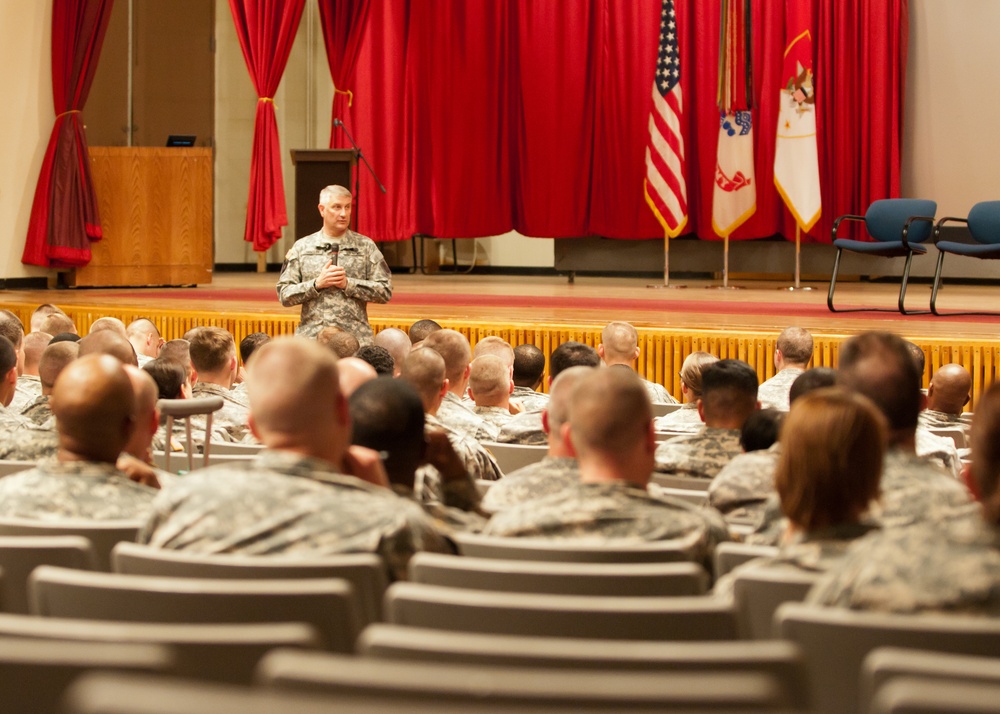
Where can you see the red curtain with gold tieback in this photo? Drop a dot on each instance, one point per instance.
(344, 23)
(64, 216)
(266, 30)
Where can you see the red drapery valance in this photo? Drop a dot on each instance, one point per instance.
(266, 30)
(64, 217)
(519, 114)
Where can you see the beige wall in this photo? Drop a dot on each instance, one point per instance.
(948, 138)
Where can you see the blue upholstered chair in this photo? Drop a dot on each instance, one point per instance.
(984, 227)
(898, 227)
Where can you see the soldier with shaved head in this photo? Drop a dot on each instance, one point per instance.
(29, 386)
(295, 497)
(949, 392)
(610, 430)
(529, 371)
(490, 387)
(9, 419)
(145, 339)
(454, 347)
(620, 346)
(93, 403)
(396, 343)
(108, 342)
(55, 358)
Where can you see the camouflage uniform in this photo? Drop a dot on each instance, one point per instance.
(657, 393)
(933, 419)
(26, 444)
(478, 462)
(9, 419)
(742, 487)
(452, 505)
(524, 428)
(285, 503)
(605, 513)
(700, 455)
(231, 418)
(460, 417)
(497, 416)
(773, 393)
(810, 553)
(530, 399)
(368, 280)
(40, 412)
(950, 567)
(29, 388)
(939, 449)
(74, 489)
(531, 482)
(685, 419)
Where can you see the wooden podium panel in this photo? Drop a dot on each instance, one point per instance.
(156, 214)
(315, 169)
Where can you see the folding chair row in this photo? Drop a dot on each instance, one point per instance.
(480, 546)
(511, 457)
(961, 674)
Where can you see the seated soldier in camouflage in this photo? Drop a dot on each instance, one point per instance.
(454, 348)
(528, 372)
(425, 370)
(526, 428)
(947, 395)
(295, 497)
(559, 468)
(743, 487)
(687, 419)
(619, 345)
(29, 384)
(93, 403)
(54, 360)
(728, 397)
(387, 415)
(947, 565)
(490, 387)
(833, 443)
(213, 356)
(9, 419)
(397, 344)
(791, 358)
(611, 431)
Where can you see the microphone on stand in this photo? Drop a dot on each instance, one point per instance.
(337, 122)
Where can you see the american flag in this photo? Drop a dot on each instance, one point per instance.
(666, 186)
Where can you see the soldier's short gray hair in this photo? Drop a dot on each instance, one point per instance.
(331, 192)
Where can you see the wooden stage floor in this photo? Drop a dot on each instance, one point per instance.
(590, 301)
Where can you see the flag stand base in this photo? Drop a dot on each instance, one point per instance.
(667, 287)
(793, 288)
(724, 287)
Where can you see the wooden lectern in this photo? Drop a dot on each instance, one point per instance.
(315, 169)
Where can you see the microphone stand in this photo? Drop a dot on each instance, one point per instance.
(357, 174)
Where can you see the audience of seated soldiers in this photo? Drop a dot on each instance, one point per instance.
(728, 397)
(559, 468)
(619, 345)
(792, 354)
(528, 373)
(687, 418)
(309, 492)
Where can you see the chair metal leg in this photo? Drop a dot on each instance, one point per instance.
(833, 282)
(902, 289)
(937, 282)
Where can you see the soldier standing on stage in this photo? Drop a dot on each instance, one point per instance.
(335, 272)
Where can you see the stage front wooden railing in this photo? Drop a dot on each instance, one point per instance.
(156, 214)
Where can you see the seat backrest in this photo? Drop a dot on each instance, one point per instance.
(783, 660)
(480, 546)
(19, 555)
(628, 618)
(728, 555)
(758, 592)
(915, 696)
(885, 664)
(183, 409)
(34, 675)
(327, 604)
(218, 652)
(613, 579)
(681, 482)
(664, 409)
(835, 641)
(10, 466)
(365, 571)
(226, 449)
(885, 219)
(530, 687)
(511, 457)
(984, 222)
(103, 535)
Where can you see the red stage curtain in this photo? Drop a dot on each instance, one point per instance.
(344, 23)
(519, 113)
(266, 30)
(64, 218)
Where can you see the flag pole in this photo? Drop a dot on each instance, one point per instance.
(725, 262)
(666, 265)
(798, 262)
